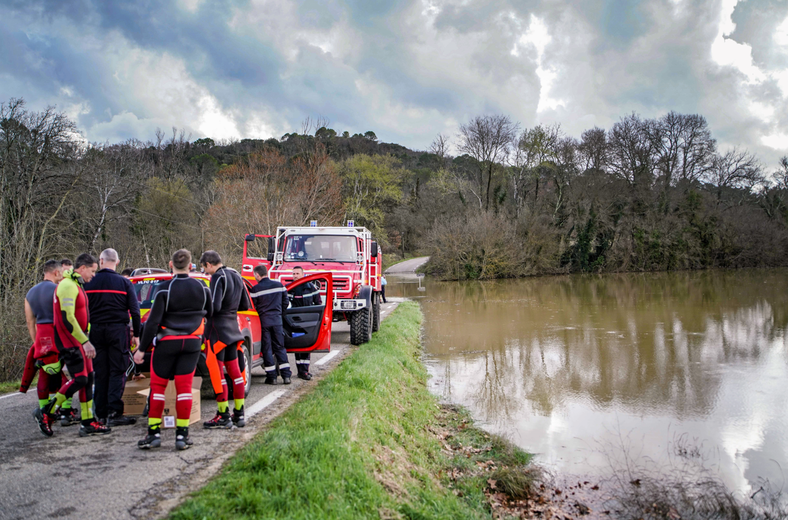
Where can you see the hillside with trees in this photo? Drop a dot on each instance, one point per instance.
(643, 195)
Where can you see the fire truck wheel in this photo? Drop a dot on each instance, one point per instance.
(360, 326)
(375, 312)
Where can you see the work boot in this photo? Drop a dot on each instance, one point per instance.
(238, 418)
(68, 416)
(152, 440)
(121, 420)
(286, 380)
(270, 380)
(182, 440)
(94, 428)
(220, 420)
(306, 376)
(44, 420)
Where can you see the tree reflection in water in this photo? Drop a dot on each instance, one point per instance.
(558, 355)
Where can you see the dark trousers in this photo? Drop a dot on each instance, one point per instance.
(383, 293)
(302, 362)
(274, 353)
(112, 360)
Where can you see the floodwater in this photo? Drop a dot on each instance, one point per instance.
(582, 369)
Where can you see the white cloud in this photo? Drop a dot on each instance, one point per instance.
(727, 52)
(214, 122)
(777, 141)
(538, 37)
(190, 5)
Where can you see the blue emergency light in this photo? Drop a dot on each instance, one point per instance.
(351, 223)
(313, 223)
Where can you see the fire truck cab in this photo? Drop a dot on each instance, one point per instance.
(349, 253)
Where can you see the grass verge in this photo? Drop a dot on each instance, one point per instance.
(7, 387)
(369, 442)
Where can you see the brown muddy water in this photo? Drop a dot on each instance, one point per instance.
(581, 368)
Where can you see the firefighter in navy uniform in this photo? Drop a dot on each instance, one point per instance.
(224, 338)
(176, 323)
(303, 296)
(112, 300)
(270, 299)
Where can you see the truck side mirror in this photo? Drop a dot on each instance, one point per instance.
(271, 249)
(373, 250)
(249, 238)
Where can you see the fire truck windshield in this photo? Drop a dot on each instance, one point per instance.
(320, 248)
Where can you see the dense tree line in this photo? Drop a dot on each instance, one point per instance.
(646, 194)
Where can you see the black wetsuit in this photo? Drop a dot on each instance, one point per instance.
(228, 294)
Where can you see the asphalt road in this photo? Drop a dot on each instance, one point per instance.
(408, 266)
(66, 476)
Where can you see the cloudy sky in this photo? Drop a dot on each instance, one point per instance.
(406, 69)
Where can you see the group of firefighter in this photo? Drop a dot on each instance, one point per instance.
(78, 317)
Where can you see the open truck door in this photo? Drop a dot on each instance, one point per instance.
(308, 328)
(258, 249)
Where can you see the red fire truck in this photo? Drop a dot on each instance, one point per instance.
(349, 253)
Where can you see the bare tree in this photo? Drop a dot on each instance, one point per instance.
(734, 169)
(488, 139)
(534, 147)
(440, 146)
(593, 149)
(630, 150)
(684, 151)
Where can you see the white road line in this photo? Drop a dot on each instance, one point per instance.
(10, 395)
(328, 357)
(266, 401)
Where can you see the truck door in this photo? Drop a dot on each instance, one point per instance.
(258, 249)
(308, 327)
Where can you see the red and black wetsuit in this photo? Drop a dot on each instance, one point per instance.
(43, 353)
(176, 323)
(71, 317)
(224, 336)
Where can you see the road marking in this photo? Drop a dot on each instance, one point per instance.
(10, 395)
(328, 357)
(266, 401)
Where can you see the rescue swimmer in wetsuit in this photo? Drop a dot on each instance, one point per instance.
(175, 323)
(43, 353)
(304, 295)
(224, 339)
(270, 300)
(71, 319)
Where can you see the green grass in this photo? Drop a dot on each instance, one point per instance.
(11, 386)
(368, 442)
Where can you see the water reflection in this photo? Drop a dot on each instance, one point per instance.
(561, 364)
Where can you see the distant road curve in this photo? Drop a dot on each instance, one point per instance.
(408, 266)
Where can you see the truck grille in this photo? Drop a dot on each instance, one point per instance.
(341, 284)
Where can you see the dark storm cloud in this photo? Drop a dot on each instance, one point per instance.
(406, 69)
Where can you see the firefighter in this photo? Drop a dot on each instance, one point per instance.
(43, 354)
(270, 299)
(111, 299)
(76, 352)
(302, 296)
(224, 339)
(176, 323)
